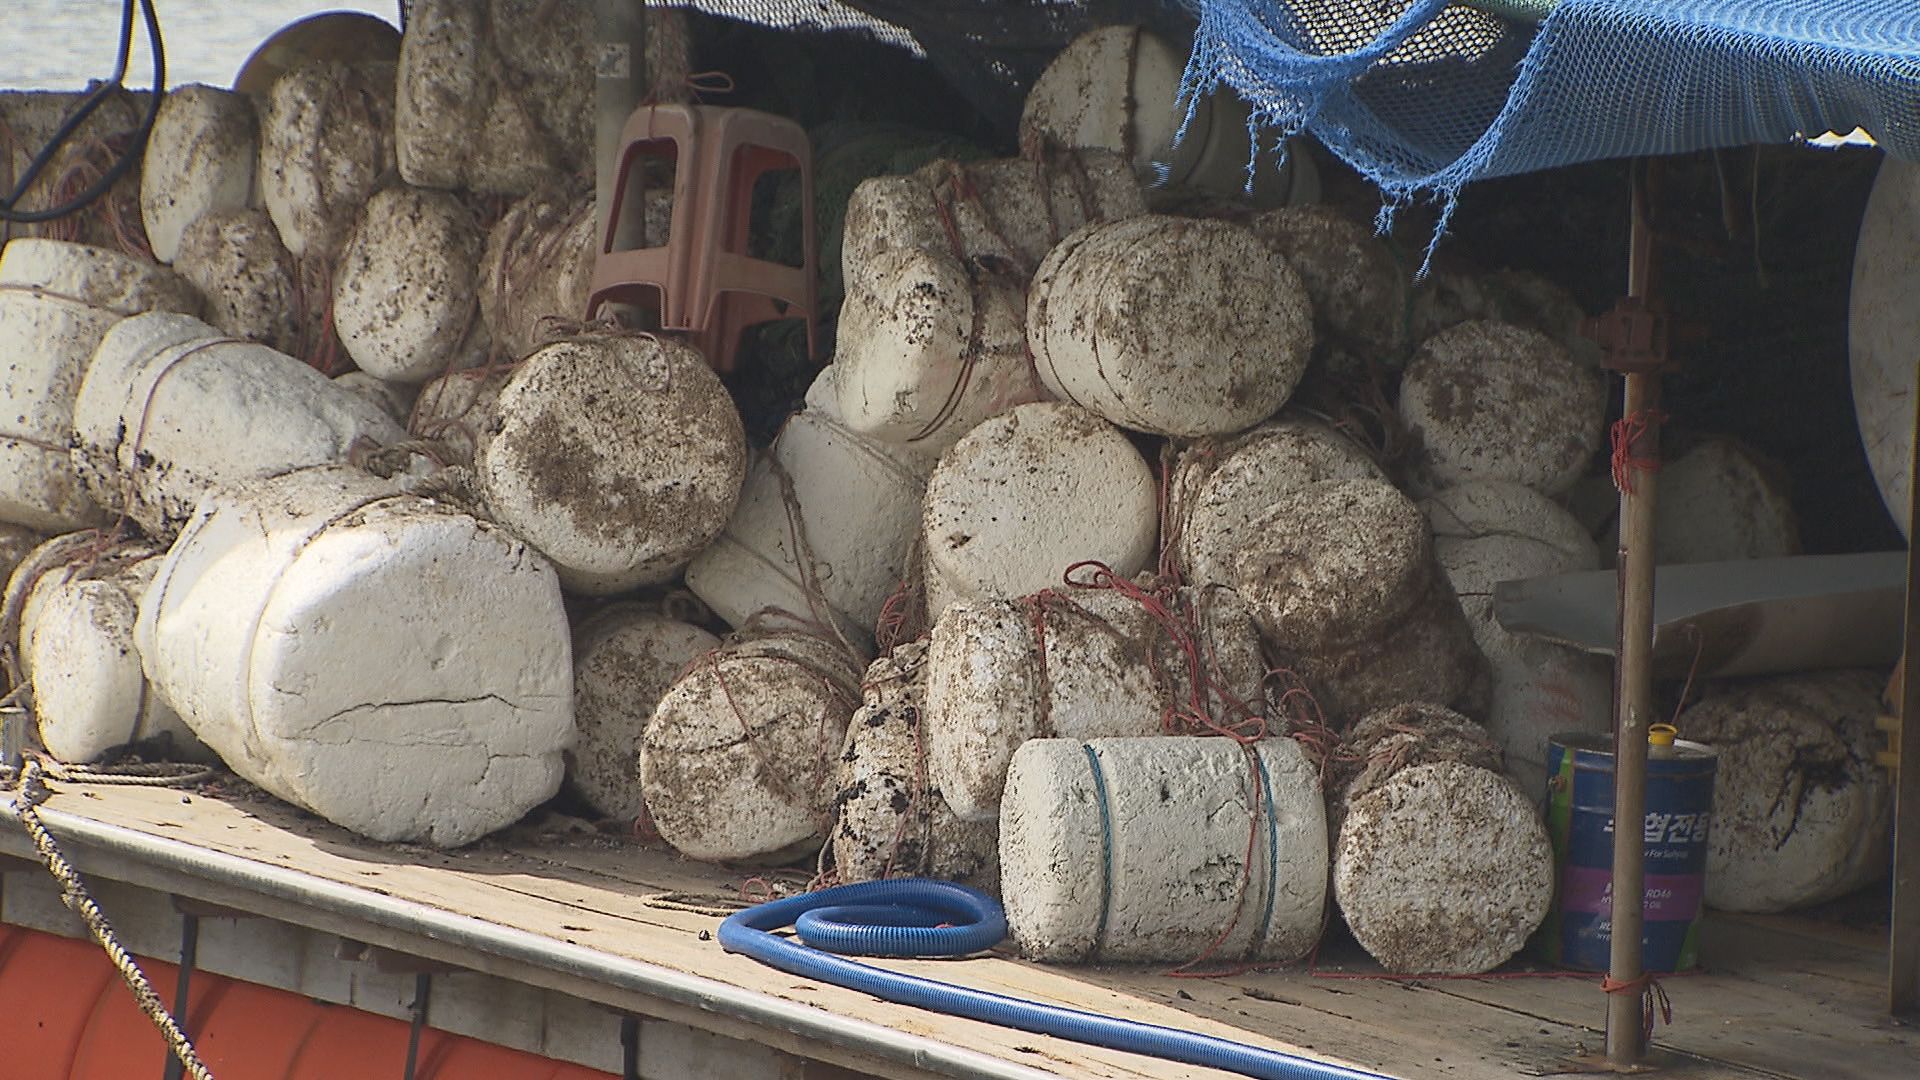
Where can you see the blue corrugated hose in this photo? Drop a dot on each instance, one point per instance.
(917, 917)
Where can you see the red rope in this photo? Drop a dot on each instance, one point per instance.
(1653, 999)
(1628, 431)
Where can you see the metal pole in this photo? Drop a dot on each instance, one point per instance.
(1633, 696)
(183, 987)
(620, 81)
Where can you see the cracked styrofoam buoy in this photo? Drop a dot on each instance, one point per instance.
(618, 456)
(1800, 809)
(1489, 531)
(1163, 849)
(326, 140)
(1440, 863)
(404, 295)
(537, 267)
(1172, 326)
(1491, 401)
(171, 409)
(57, 300)
(1026, 495)
(1427, 655)
(889, 818)
(929, 347)
(1077, 663)
(251, 285)
(624, 658)
(1221, 486)
(396, 666)
(201, 157)
(1359, 293)
(845, 506)
(738, 761)
(1720, 500)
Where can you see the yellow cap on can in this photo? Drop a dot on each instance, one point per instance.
(1662, 734)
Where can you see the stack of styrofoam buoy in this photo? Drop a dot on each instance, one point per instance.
(1028, 494)
(57, 300)
(1340, 576)
(1450, 296)
(391, 664)
(1170, 326)
(1489, 531)
(326, 141)
(889, 818)
(1440, 863)
(405, 297)
(1359, 294)
(619, 457)
(201, 158)
(495, 96)
(251, 285)
(737, 763)
(1080, 663)
(170, 409)
(824, 528)
(76, 597)
(1719, 501)
(1800, 809)
(538, 265)
(1163, 849)
(625, 656)
(1491, 401)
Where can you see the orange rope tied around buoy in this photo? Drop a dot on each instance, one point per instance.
(1627, 434)
(1654, 1002)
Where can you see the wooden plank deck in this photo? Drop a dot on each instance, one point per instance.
(1778, 998)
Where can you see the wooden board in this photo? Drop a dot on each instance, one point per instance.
(1781, 1004)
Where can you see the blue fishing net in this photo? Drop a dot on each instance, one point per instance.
(1424, 96)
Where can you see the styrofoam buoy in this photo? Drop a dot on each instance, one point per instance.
(404, 296)
(394, 399)
(1800, 809)
(738, 761)
(457, 410)
(495, 97)
(201, 156)
(889, 819)
(1448, 298)
(624, 658)
(538, 266)
(1358, 292)
(1163, 850)
(236, 260)
(1441, 865)
(824, 528)
(1170, 325)
(326, 139)
(170, 409)
(1489, 531)
(1026, 495)
(1720, 500)
(76, 648)
(1491, 401)
(929, 347)
(393, 665)
(619, 457)
(1221, 486)
(1078, 663)
(57, 300)
(1428, 654)
(1882, 329)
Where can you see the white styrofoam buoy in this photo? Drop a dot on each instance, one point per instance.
(201, 156)
(398, 667)
(1358, 292)
(929, 347)
(537, 266)
(625, 656)
(1172, 326)
(394, 399)
(1026, 495)
(57, 300)
(1491, 401)
(1427, 654)
(1800, 809)
(252, 288)
(326, 139)
(1163, 849)
(170, 409)
(1883, 328)
(457, 410)
(618, 457)
(404, 296)
(889, 819)
(495, 96)
(738, 761)
(1720, 501)
(1448, 298)
(1221, 486)
(824, 528)
(1074, 663)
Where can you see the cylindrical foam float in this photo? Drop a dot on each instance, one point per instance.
(1720, 500)
(1163, 849)
(457, 410)
(619, 457)
(538, 266)
(738, 761)
(201, 156)
(1028, 494)
(394, 399)
(393, 665)
(170, 409)
(1491, 401)
(1427, 655)
(57, 300)
(1170, 325)
(624, 659)
(1359, 293)
(326, 139)
(404, 297)
(252, 288)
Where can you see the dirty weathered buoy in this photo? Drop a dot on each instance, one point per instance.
(624, 659)
(251, 285)
(537, 268)
(201, 157)
(326, 140)
(1359, 293)
(404, 296)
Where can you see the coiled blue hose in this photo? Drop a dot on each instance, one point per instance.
(918, 917)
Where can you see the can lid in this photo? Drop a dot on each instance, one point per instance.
(1661, 734)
